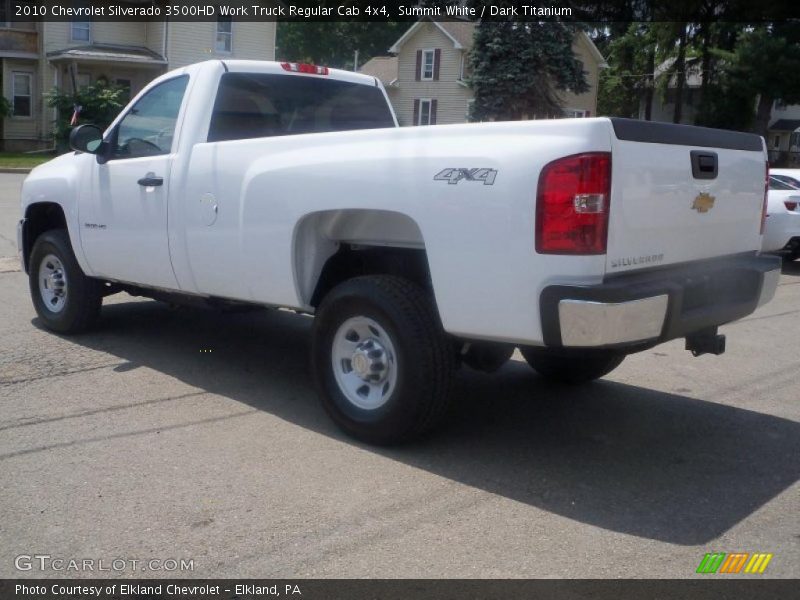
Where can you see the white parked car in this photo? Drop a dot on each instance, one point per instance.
(782, 228)
(417, 248)
(790, 176)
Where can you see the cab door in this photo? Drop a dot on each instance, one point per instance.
(124, 215)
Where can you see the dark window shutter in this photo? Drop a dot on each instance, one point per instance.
(437, 59)
(416, 112)
(418, 73)
(434, 102)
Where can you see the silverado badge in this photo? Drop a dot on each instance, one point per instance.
(703, 203)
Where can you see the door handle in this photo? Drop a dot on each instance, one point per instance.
(150, 180)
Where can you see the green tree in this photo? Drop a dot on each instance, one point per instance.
(100, 104)
(5, 107)
(629, 78)
(765, 65)
(519, 69)
(334, 43)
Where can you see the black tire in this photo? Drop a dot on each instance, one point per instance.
(424, 358)
(572, 367)
(83, 295)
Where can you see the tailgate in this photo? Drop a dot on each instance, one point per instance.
(681, 194)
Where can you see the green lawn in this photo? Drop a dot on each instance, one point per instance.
(20, 160)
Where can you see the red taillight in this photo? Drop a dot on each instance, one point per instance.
(790, 205)
(572, 205)
(764, 205)
(305, 68)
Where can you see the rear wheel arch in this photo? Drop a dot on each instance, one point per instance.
(333, 246)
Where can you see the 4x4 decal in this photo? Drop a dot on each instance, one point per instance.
(453, 176)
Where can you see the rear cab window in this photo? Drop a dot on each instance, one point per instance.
(253, 105)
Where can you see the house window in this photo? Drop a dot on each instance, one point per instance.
(81, 31)
(777, 142)
(224, 41)
(425, 111)
(465, 71)
(575, 113)
(22, 84)
(427, 67)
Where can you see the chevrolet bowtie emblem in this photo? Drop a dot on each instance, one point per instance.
(703, 203)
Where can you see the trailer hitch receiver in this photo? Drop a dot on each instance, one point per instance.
(707, 341)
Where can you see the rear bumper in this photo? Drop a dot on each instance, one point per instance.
(643, 309)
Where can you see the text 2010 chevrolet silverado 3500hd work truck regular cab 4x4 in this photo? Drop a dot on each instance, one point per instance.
(578, 240)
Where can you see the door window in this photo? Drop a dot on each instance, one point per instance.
(149, 127)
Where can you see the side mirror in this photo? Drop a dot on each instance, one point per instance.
(86, 138)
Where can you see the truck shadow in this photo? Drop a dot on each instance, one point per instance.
(628, 459)
(791, 268)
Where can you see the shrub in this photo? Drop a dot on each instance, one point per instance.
(100, 103)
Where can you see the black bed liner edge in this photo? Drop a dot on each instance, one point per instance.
(652, 132)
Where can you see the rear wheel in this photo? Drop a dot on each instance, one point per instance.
(382, 362)
(572, 367)
(66, 300)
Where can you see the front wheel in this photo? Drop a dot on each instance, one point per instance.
(66, 300)
(573, 366)
(382, 362)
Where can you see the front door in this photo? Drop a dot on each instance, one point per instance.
(124, 216)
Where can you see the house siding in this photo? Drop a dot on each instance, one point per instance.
(193, 42)
(452, 96)
(588, 100)
(154, 36)
(59, 34)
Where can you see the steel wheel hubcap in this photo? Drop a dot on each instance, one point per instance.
(53, 283)
(364, 362)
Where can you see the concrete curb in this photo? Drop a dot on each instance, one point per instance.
(19, 170)
(9, 264)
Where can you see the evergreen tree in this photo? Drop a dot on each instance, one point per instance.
(519, 69)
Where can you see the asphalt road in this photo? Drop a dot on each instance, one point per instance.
(197, 435)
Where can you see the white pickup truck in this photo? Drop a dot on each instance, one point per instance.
(417, 249)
